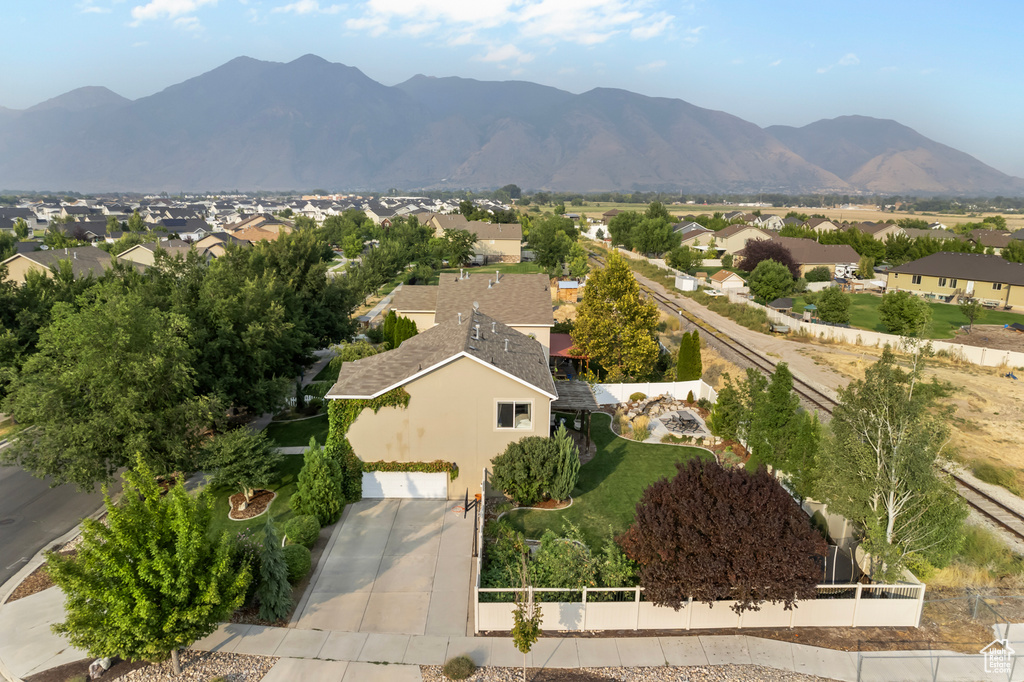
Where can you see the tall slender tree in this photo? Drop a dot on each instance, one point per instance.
(274, 592)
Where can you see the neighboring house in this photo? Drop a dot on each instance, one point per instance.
(768, 221)
(442, 222)
(609, 214)
(215, 244)
(937, 226)
(921, 233)
(687, 227)
(988, 278)
(733, 215)
(733, 238)
(145, 254)
(809, 254)
(474, 386)
(822, 225)
(521, 301)
(997, 240)
(724, 280)
(1019, 235)
(188, 229)
(697, 237)
(497, 242)
(879, 231)
(84, 260)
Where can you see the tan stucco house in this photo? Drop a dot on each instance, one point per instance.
(84, 261)
(733, 238)
(521, 301)
(809, 254)
(475, 385)
(145, 254)
(990, 279)
(726, 280)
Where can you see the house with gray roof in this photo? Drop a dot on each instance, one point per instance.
(474, 384)
(949, 276)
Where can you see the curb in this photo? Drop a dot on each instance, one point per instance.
(7, 589)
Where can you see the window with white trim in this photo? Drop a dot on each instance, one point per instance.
(915, 279)
(952, 283)
(942, 281)
(515, 415)
(997, 286)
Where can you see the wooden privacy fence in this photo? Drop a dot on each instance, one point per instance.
(836, 606)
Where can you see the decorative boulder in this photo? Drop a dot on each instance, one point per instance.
(98, 667)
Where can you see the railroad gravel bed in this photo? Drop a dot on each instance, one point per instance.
(718, 673)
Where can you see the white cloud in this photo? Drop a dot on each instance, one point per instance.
(86, 7)
(692, 35)
(848, 59)
(180, 11)
(308, 7)
(776, 62)
(585, 22)
(653, 66)
(505, 53)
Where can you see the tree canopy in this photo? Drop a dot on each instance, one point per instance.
(770, 280)
(615, 324)
(758, 250)
(711, 533)
(904, 313)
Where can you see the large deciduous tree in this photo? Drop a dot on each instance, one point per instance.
(757, 250)
(834, 306)
(552, 239)
(770, 280)
(150, 581)
(111, 379)
(242, 458)
(880, 469)
(615, 324)
(712, 534)
(904, 313)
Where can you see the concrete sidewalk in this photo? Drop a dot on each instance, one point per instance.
(403, 652)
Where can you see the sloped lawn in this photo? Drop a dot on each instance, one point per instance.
(280, 509)
(609, 485)
(298, 433)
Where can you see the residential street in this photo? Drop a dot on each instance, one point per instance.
(32, 515)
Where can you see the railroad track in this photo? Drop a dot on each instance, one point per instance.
(989, 507)
(806, 391)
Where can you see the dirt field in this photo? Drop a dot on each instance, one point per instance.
(992, 336)
(989, 421)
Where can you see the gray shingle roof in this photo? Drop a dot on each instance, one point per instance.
(516, 299)
(415, 298)
(525, 358)
(485, 231)
(968, 266)
(810, 252)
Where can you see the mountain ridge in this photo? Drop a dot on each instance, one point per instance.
(254, 124)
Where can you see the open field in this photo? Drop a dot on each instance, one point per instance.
(946, 318)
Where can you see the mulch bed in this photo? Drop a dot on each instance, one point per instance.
(37, 581)
(259, 503)
(62, 673)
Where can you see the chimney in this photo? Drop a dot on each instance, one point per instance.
(477, 335)
(506, 345)
(460, 318)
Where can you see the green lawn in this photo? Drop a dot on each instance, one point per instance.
(328, 373)
(609, 485)
(298, 433)
(504, 268)
(946, 318)
(280, 508)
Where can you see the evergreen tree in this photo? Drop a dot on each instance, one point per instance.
(773, 427)
(274, 593)
(318, 490)
(724, 420)
(683, 358)
(387, 327)
(150, 581)
(696, 364)
(567, 469)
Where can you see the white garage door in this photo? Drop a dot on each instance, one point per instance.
(405, 484)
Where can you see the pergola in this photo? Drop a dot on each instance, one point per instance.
(576, 397)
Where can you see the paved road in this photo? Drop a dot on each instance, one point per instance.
(32, 515)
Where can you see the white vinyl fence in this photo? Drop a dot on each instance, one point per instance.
(612, 394)
(987, 357)
(836, 606)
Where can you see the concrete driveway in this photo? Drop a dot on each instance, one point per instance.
(394, 567)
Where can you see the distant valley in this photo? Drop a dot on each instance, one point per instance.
(256, 125)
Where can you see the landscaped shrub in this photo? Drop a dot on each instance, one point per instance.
(318, 491)
(298, 560)
(727, 261)
(246, 552)
(641, 428)
(636, 396)
(459, 668)
(273, 594)
(563, 562)
(689, 397)
(526, 470)
(819, 274)
(302, 530)
(567, 470)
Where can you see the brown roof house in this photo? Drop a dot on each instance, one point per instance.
(991, 279)
(733, 238)
(146, 253)
(83, 260)
(809, 254)
(997, 240)
(474, 385)
(497, 242)
(724, 280)
(521, 301)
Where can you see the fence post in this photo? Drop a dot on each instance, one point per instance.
(584, 608)
(689, 612)
(920, 604)
(476, 610)
(856, 604)
(636, 607)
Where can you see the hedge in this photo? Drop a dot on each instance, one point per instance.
(435, 467)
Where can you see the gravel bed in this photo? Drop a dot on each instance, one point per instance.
(202, 666)
(717, 673)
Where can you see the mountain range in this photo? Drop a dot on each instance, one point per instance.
(254, 125)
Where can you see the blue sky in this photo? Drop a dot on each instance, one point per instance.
(952, 71)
